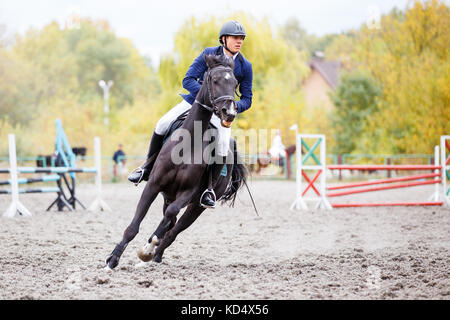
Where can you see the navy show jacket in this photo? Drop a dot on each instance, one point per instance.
(242, 71)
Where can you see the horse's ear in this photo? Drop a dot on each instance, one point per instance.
(209, 60)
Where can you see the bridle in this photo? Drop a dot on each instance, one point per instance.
(212, 100)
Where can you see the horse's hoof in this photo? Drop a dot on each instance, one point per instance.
(111, 262)
(144, 256)
(157, 259)
(147, 253)
(107, 268)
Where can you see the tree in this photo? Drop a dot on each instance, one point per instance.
(355, 100)
(408, 55)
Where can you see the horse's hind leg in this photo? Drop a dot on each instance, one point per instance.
(189, 216)
(148, 196)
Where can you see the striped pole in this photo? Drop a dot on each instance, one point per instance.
(392, 204)
(383, 167)
(16, 206)
(31, 190)
(51, 170)
(32, 180)
(403, 185)
(369, 183)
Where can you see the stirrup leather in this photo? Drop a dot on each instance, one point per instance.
(142, 175)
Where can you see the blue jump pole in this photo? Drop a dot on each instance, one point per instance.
(52, 170)
(35, 190)
(32, 180)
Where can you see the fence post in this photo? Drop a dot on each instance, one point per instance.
(16, 207)
(340, 162)
(389, 162)
(445, 161)
(98, 204)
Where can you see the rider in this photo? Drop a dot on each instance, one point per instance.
(231, 37)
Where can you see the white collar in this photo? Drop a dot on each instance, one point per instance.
(234, 56)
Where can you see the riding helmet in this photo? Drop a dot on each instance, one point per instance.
(232, 28)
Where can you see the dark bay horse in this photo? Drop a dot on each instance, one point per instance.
(263, 160)
(182, 184)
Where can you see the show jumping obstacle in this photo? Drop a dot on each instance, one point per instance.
(17, 207)
(438, 177)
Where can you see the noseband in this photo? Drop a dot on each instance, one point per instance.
(213, 101)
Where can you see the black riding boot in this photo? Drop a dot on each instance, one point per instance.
(143, 172)
(208, 198)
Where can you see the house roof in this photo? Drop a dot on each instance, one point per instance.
(328, 69)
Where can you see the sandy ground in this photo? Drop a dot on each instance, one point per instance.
(230, 253)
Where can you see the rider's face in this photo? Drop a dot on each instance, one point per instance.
(234, 43)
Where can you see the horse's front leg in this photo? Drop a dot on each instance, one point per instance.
(148, 196)
(147, 252)
(189, 216)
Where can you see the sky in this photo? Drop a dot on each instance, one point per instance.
(151, 25)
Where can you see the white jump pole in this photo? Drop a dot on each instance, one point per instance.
(323, 203)
(299, 203)
(436, 195)
(99, 204)
(16, 206)
(444, 169)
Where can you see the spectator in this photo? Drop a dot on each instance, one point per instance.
(277, 150)
(119, 159)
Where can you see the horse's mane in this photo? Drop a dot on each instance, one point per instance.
(221, 60)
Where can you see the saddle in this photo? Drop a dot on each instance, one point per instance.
(178, 122)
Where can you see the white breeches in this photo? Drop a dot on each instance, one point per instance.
(224, 134)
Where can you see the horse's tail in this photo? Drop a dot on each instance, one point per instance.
(238, 178)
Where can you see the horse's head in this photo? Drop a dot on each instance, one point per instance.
(221, 85)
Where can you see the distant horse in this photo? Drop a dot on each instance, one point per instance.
(182, 184)
(53, 159)
(263, 160)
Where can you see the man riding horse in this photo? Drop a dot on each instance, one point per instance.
(231, 37)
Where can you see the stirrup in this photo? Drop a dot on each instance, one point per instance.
(211, 191)
(142, 174)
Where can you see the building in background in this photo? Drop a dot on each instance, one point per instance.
(321, 83)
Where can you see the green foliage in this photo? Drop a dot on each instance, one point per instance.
(409, 56)
(54, 73)
(278, 70)
(297, 36)
(355, 102)
(394, 98)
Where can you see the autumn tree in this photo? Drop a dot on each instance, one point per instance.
(355, 101)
